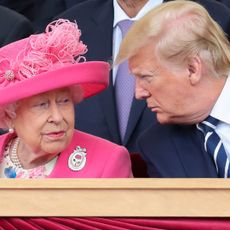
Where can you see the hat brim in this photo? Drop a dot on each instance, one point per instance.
(92, 77)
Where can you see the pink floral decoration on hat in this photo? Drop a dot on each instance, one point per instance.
(6, 72)
(59, 46)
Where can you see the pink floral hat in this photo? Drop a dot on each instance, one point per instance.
(48, 61)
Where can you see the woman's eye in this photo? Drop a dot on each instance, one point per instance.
(42, 105)
(63, 101)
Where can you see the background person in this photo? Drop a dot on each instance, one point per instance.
(14, 26)
(39, 12)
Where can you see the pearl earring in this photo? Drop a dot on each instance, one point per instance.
(11, 130)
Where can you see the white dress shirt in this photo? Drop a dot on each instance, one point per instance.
(221, 111)
(120, 15)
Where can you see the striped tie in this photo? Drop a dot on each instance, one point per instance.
(214, 146)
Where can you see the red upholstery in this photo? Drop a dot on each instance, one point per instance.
(96, 223)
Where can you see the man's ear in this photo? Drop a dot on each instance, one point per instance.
(194, 67)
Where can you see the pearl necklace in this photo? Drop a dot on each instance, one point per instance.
(14, 154)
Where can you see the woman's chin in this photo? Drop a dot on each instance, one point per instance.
(54, 149)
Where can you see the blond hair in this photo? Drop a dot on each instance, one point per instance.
(179, 30)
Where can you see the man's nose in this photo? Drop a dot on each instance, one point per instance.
(140, 92)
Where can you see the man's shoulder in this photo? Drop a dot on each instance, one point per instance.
(161, 134)
(217, 10)
(14, 26)
(156, 129)
(85, 8)
(11, 15)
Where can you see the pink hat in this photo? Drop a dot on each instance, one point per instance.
(48, 61)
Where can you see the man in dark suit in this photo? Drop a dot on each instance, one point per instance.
(181, 64)
(14, 26)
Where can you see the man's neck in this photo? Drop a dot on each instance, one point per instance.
(132, 7)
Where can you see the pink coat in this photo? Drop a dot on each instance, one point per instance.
(88, 156)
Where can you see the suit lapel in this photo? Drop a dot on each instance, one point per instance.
(107, 102)
(189, 145)
(136, 110)
(103, 19)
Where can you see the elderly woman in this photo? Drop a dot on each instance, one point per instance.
(41, 77)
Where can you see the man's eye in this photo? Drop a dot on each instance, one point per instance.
(147, 78)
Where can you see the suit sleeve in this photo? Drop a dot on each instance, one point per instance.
(118, 164)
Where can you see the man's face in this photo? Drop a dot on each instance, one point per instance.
(168, 93)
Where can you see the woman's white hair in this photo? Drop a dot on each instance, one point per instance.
(7, 112)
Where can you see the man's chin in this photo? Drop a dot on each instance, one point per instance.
(163, 119)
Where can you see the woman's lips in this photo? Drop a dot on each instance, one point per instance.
(56, 135)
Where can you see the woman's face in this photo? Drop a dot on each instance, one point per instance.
(45, 122)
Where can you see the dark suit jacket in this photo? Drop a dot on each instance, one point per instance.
(176, 151)
(97, 115)
(220, 13)
(14, 26)
(225, 2)
(39, 12)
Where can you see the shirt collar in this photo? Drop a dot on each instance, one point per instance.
(221, 109)
(119, 13)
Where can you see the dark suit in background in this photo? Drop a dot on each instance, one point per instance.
(225, 2)
(220, 12)
(39, 12)
(13, 25)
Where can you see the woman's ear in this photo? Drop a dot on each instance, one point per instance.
(194, 66)
(9, 122)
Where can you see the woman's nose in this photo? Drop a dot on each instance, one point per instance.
(55, 114)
